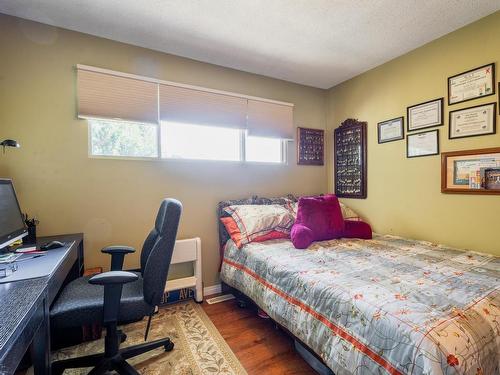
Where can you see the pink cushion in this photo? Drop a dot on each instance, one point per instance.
(322, 216)
(357, 229)
(301, 236)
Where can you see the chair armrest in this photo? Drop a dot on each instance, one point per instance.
(113, 284)
(117, 255)
(113, 277)
(119, 249)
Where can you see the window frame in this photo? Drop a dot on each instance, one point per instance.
(91, 155)
(176, 159)
(242, 148)
(283, 152)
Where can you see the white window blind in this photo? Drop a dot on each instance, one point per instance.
(267, 119)
(185, 105)
(108, 96)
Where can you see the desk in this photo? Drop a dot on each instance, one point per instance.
(26, 299)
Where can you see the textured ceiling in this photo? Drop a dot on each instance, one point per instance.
(314, 42)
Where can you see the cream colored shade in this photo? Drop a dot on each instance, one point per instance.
(103, 95)
(185, 105)
(267, 119)
(115, 95)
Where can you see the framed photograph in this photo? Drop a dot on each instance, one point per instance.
(492, 178)
(310, 146)
(391, 130)
(471, 171)
(422, 144)
(425, 115)
(473, 121)
(472, 84)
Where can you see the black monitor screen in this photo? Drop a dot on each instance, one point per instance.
(11, 218)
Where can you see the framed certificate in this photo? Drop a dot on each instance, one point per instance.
(422, 144)
(425, 115)
(391, 130)
(471, 171)
(473, 121)
(473, 84)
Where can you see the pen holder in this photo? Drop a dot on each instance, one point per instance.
(30, 239)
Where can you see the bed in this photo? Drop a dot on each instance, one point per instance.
(386, 305)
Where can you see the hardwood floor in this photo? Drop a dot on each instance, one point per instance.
(260, 347)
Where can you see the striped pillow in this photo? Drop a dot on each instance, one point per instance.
(234, 232)
(254, 221)
(349, 214)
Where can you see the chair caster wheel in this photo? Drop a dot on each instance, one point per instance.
(241, 304)
(168, 347)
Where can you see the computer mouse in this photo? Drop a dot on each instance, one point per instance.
(52, 245)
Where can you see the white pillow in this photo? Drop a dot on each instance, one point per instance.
(349, 214)
(257, 220)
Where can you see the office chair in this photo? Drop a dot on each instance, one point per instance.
(126, 296)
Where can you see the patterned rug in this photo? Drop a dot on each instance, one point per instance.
(199, 347)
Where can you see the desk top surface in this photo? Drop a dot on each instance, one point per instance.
(24, 293)
(44, 265)
(18, 300)
(21, 294)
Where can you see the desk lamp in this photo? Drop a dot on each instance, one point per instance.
(9, 143)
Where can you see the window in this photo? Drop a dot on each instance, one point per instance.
(151, 118)
(123, 138)
(185, 141)
(264, 150)
(117, 138)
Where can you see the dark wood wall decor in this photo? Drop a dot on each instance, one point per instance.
(310, 146)
(350, 159)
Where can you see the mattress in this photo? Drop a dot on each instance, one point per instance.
(386, 305)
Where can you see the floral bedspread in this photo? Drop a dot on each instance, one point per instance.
(387, 305)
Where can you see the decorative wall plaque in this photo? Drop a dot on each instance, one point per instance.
(310, 146)
(350, 159)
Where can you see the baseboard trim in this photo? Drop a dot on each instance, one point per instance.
(213, 289)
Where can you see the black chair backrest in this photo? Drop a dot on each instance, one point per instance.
(158, 249)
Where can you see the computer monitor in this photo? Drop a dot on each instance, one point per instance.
(12, 226)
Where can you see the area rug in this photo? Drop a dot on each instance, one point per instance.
(199, 347)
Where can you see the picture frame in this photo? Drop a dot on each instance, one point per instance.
(310, 146)
(492, 178)
(473, 84)
(391, 130)
(473, 121)
(425, 115)
(422, 144)
(471, 171)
